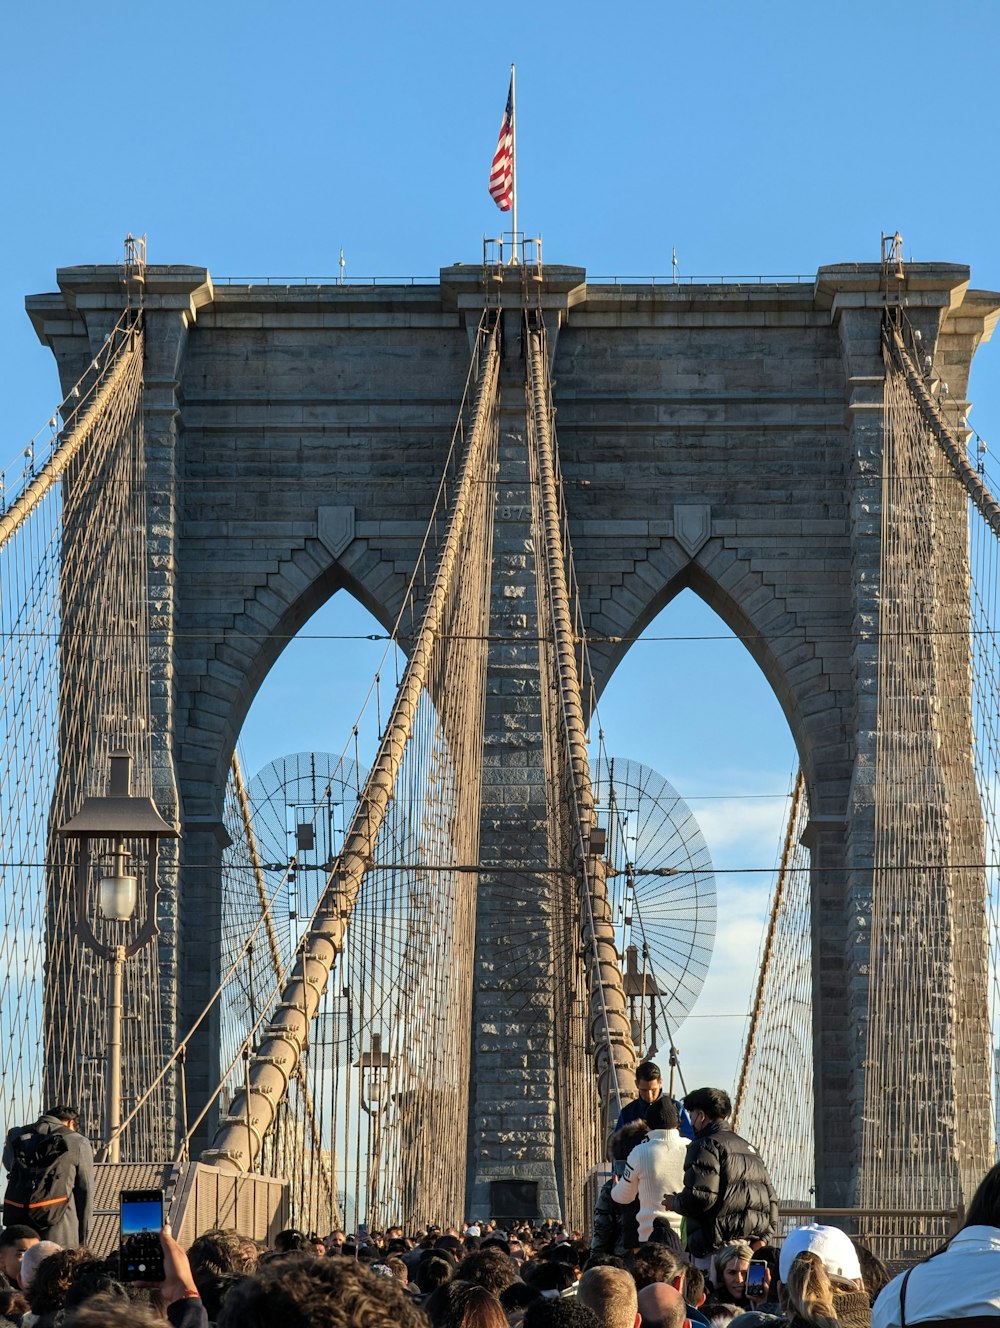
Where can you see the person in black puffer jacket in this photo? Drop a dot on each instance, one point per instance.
(727, 1194)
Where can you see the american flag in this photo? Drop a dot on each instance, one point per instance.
(502, 170)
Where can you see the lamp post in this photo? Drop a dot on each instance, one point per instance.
(371, 1064)
(117, 818)
(640, 988)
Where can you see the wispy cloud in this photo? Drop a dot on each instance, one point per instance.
(711, 1038)
(742, 833)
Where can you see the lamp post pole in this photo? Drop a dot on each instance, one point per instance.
(113, 1084)
(371, 1064)
(118, 817)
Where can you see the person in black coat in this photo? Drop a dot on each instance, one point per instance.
(616, 1226)
(727, 1194)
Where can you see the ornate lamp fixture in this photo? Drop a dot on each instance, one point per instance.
(118, 818)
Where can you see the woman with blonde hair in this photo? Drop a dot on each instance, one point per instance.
(729, 1276)
(810, 1294)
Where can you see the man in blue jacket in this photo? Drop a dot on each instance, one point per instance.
(649, 1085)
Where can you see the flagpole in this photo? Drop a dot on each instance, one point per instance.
(513, 155)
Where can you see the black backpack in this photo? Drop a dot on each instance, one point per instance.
(36, 1183)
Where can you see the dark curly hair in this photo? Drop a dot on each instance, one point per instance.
(655, 1263)
(53, 1278)
(489, 1268)
(97, 1277)
(563, 1312)
(290, 1240)
(13, 1305)
(216, 1252)
(319, 1293)
(624, 1140)
(433, 1271)
(518, 1296)
(554, 1276)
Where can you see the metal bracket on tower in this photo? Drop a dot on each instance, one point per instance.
(516, 251)
(135, 269)
(892, 257)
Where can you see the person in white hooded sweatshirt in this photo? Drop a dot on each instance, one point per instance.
(655, 1167)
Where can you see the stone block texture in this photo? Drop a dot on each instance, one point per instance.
(756, 407)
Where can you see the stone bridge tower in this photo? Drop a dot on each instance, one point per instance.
(711, 436)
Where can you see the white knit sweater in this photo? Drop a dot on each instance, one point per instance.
(654, 1167)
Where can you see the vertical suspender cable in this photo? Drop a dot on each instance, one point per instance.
(263, 901)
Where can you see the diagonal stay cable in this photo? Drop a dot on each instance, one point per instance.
(273, 1065)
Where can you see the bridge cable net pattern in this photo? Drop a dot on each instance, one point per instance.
(929, 1082)
(76, 686)
(382, 1077)
(927, 818)
(359, 1080)
(777, 1048)
(356, 1102)
(259, 885)
(662, 896)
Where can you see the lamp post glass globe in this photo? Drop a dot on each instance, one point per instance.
(117, 896)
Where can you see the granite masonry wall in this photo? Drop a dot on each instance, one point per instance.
(724, 438)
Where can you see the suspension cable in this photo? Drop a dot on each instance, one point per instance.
(895, 350)
(616, 1073)
(278, 1055)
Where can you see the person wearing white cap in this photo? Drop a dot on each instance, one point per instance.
(837, 1254)
(959, 1284)
(834, 1250)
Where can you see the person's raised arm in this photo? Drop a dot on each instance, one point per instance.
(184, 1307)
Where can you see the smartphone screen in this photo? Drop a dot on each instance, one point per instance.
(140, 1253)
(756, 1278)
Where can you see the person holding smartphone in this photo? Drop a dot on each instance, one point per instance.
(149, 1256)
(140, 1221)
(762, 1280)
(184, 1305)
(730, 1269)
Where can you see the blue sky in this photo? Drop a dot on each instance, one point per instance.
(257, 139)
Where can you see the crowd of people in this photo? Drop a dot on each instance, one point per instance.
(479, 1276)
(684, 1233)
